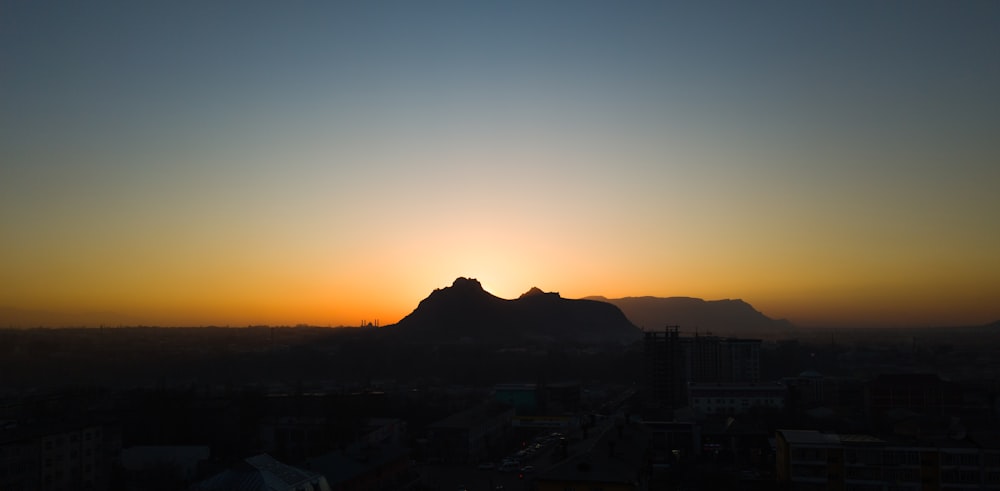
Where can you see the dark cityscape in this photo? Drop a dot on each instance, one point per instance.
(375, 408)
(499, 245)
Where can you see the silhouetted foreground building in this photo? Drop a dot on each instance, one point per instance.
(364, 468)
(810, 460)
(468, 436)
(61, 455)
(664, 373)
(263, 473)
(162, 466)
(620, 460)
(673, 441)
(377, 461)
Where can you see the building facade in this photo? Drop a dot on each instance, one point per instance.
(58, 456)
(737, 398)
(810, 460)
(712, 359)
(672, 363)
(663, 367)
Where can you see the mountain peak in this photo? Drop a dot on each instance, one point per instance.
(463, 283)
(465, 288)
(534, 291)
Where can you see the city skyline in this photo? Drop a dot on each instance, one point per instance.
(186, 164)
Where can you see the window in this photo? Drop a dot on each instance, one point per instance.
(968, 477)
(968, 459)
(949, 476)
(893, 457)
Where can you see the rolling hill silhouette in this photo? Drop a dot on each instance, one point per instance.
(721, 317)
(464, 312)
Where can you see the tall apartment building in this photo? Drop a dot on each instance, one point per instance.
(673, 362)
(711, 359)
(665, 375)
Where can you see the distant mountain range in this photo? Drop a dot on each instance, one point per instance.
(466, 313)
(720, 317)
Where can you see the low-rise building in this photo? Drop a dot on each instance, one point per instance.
(522, 397)
(377, 461)
(736, 398)
(810, 460)
(58, 455)
(618, 460)
(263, 473)
(469, 436)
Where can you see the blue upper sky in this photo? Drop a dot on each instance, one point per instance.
(786, 150)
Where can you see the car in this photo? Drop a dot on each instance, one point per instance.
(528, 469)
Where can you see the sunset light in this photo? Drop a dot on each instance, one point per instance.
(176, 165)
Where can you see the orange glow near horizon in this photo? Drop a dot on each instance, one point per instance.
(333, 163)
(289, 298)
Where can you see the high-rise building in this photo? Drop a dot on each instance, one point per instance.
(711, 359)
(673, 362)
(665, 379)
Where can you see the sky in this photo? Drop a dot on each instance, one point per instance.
(325, 163)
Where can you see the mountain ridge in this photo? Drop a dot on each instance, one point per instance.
(465, 312)
(726, 317)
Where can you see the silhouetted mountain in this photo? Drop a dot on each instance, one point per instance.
(534, 291)
(464, 312)
(721, 317)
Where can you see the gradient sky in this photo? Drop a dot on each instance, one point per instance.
(192, 163)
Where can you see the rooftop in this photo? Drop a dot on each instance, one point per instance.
(473, 417)
(263, 473)
(809, 437)
(611, 459)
